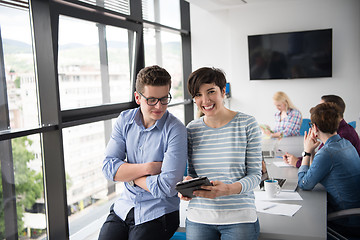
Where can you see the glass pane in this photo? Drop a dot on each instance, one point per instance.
(19, 68)
(178, 111)
(88, 71)
(164, 49)
(119, 63)
(79, 64)
(29, 187)
(29, 178)
(165, 12)
(88, 195)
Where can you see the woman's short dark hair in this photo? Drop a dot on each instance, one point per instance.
(205, 75)
(337, 100)
(326, 116)
(152, 76)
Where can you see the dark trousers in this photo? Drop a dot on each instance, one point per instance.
(162, 228)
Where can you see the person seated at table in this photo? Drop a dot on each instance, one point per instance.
(344, 130)
(336, 165)
(287, 119)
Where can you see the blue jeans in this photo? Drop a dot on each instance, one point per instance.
(199, 231)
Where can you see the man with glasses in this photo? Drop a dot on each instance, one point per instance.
(148, 152)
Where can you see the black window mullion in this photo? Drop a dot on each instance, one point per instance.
(138, 50)
(49, 104)
(7, 169)
(186, 58)
(139, 57)
(136, 10)
(4, 106)
(8, 190)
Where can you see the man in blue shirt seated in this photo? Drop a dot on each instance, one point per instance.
(336, 165)
(148, 151)
(344, 130)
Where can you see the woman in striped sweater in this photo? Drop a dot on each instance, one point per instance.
(225, 146)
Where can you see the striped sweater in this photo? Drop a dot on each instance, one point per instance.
(230, 153)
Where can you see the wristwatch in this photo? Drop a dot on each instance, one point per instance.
(131, 183)
(305, 154)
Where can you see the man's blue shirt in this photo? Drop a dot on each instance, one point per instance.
(337, 167)
(131, 142)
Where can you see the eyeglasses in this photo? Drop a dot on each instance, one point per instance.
(311, 124)
(153, 101)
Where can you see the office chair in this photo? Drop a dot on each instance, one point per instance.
(335, 234)
(353, 124)
(304, 126)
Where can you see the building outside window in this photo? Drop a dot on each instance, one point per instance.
(22, 162)
(95, 62)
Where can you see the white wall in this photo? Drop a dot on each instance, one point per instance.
(219, 39)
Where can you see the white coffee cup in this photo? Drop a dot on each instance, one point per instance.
(272, 188)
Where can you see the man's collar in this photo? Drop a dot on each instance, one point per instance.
(161, 122)
(158, 124)
(334, 138)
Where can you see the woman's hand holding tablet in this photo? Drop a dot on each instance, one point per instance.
(187, 187)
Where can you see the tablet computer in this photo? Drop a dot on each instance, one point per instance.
(187, 187)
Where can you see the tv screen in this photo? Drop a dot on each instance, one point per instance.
(305, 54)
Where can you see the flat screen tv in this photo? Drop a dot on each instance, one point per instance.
(305, 54)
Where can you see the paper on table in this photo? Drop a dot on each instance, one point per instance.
(282, 164)
(283, 195)
(277, 208)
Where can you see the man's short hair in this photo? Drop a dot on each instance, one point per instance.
(326, 116)
(337, 100)
(152, 76)
(205, 75)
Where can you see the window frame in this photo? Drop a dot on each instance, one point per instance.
(45, 20)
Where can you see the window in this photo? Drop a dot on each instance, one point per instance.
(163, 48)
(178, 111)
(22, 188)
(29, 186)
(90, 75)
(119, 57)
(24, 165)
(87, 189)
(19, 68)
(165, 12)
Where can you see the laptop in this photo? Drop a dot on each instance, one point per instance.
(268, 154)
(265, 176)
(290, 185)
